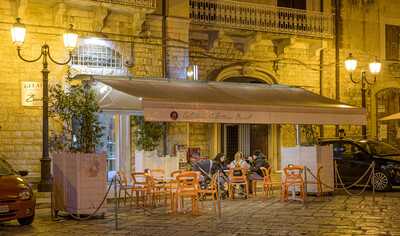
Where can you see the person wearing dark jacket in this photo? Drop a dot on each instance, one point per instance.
(258, 162)
(219, 163)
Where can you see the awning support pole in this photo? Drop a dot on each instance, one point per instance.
(298, 135)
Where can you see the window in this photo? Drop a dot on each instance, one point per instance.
(392, 42)
(297, 4)
(97, 56)
(108, 143)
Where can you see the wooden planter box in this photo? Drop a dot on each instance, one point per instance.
(80, 182)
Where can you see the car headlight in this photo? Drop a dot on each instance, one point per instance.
(25, 195)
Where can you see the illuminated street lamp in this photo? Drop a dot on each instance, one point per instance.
(18, 33)
(374, 67)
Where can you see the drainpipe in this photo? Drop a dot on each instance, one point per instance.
(164, 38)
(164, 64)
(337, 53)
(321, 73)
(321, 80)
(298, 135)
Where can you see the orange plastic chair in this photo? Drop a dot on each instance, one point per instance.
(267, 181)
(176, 173)
(293, 178)
(212, 190)
(171, 186)
(187, 186)
(158, 185)
(124, 185)
(141, 187)
(237, 181)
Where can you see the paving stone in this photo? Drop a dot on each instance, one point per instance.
(337, 215)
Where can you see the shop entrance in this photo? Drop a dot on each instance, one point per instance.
(245, 138)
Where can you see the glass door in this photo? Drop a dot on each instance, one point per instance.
(109, 141)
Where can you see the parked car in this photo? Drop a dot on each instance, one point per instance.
(17, 201)
(354, 156)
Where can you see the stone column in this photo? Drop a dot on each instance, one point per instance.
(124, 150)
(274, 146)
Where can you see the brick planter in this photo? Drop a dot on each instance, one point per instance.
(80, 182)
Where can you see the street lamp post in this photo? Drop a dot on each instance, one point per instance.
(18, 32)
(374, 68)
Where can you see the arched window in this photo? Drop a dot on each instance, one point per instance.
(97, 56)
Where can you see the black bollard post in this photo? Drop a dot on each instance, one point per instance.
(116, 202)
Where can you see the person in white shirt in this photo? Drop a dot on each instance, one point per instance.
(239, 162)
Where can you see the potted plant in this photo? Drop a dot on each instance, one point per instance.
(80, 176)
(147, 139)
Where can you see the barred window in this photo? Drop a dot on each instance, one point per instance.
(97, 56)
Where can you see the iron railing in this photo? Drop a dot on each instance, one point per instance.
(257, 17)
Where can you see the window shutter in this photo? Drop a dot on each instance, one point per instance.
(392, 42)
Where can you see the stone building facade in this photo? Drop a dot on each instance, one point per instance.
(273, 41)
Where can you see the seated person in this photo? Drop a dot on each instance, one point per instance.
(259, 161)
(239, 162)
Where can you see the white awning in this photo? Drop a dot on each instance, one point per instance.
(119, 101)
(395, 116)
(224, 102)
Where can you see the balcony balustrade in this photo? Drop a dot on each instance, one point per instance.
(257, 17)
(131, 3)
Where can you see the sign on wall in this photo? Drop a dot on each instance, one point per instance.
(31, 93)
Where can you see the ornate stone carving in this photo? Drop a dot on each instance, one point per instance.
(100, 17)
(251, 70)
(138, 23)
(281, 44)
(21, 6)
(60, 14)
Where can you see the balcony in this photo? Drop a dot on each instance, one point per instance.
(257, 17)
(151, 4)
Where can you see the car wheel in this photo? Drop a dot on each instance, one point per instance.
(26, 220)
(381, 182)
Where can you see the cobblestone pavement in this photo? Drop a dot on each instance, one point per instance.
(338, 215)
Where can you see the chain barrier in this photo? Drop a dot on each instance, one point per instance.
(90, 216)
(370, 169)
(318, 179)
(361, 178)
(365, 186)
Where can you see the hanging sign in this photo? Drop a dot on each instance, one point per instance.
(31, 93)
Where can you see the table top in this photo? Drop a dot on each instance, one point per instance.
(166, 178)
